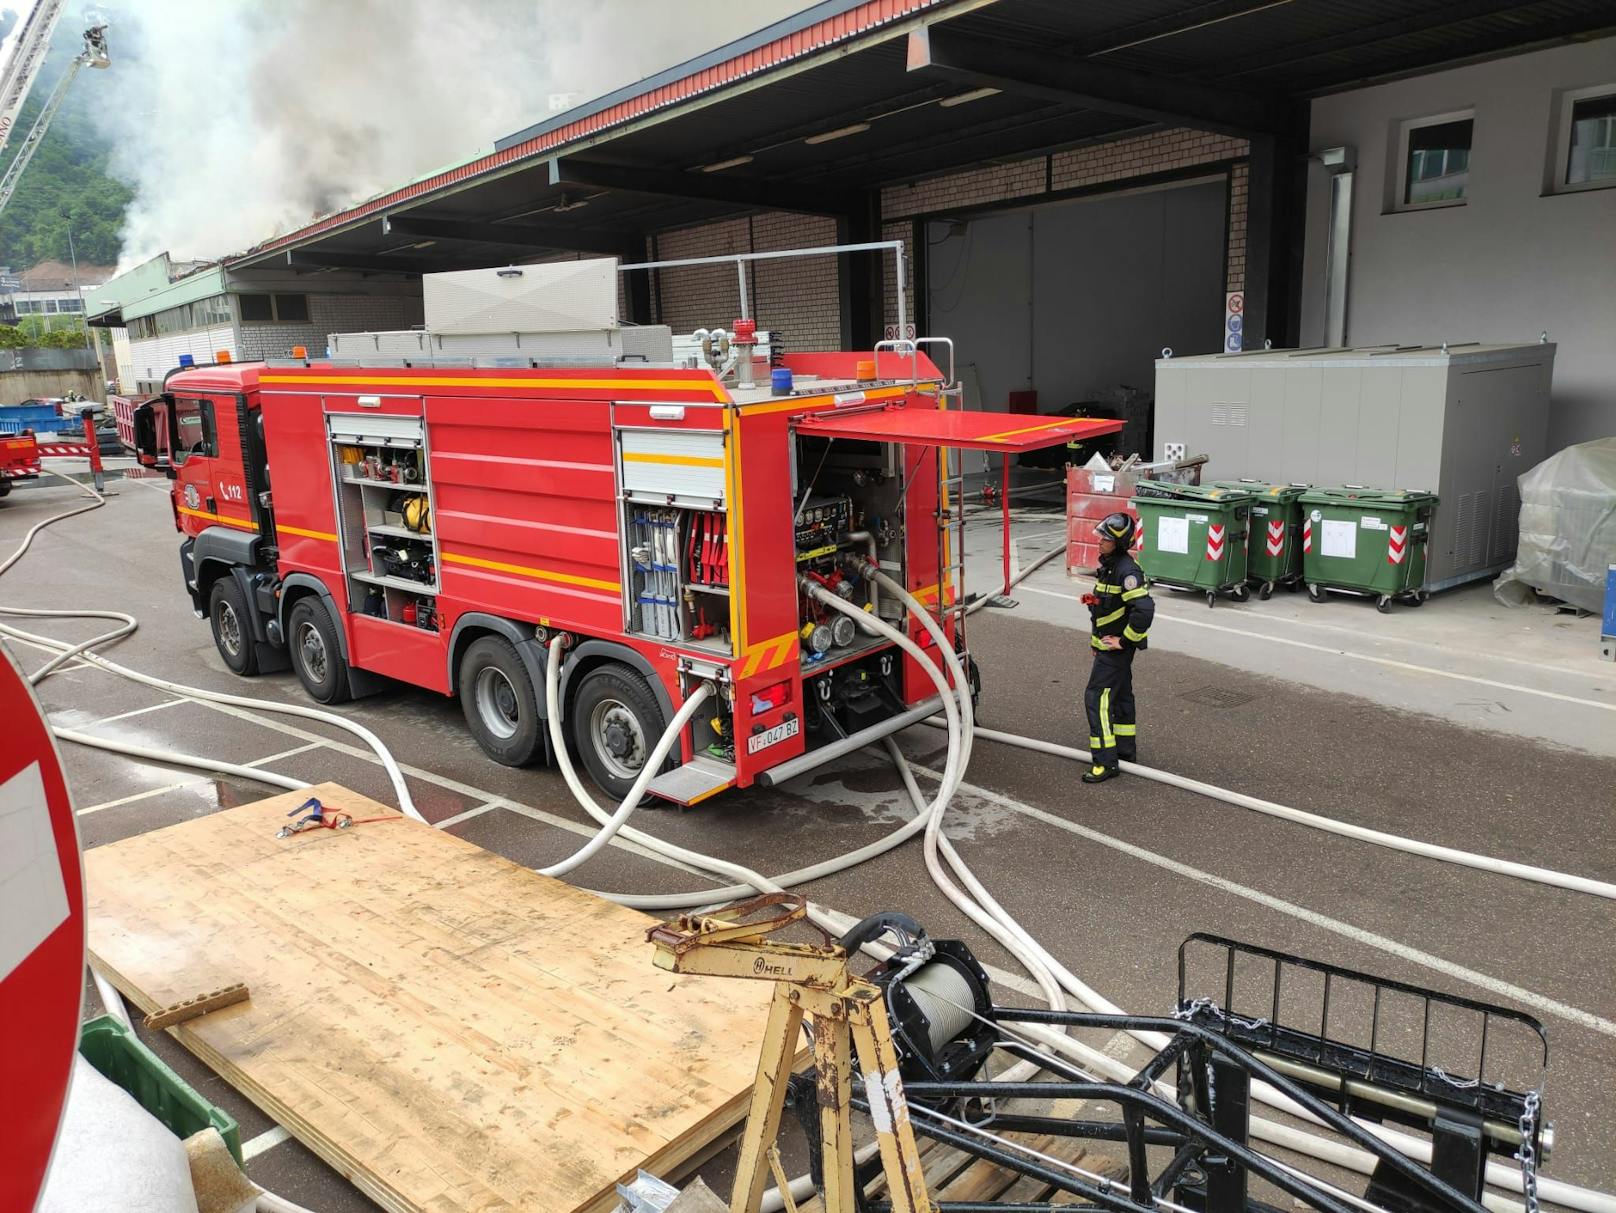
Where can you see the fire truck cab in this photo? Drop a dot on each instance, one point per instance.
(436, 506)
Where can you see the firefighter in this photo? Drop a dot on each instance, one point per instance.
(1121, 610)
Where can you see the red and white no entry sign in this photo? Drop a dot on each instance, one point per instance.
(41, 940)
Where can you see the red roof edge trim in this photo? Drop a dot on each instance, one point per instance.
(866, 17)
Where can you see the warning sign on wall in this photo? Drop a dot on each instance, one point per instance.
(1234, 320)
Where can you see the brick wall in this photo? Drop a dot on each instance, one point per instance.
(800, 297)
(328, 314)
(797, 297)
(889, 294)
(700, 296)
(1239, 180)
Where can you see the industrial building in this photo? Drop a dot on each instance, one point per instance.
(1078, 191)
(163, 309)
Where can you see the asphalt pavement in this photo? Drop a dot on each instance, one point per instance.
(1111, 878)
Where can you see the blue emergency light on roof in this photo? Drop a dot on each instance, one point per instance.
(187, 360)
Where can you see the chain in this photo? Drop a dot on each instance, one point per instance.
(1528, 1151)
(1188, 1012)
(1463, 1084)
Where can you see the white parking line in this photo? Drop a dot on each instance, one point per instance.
(1373, 660)
(267, 1140)
(155, 707)
(191, 783)
(1358, 934)
(467, 815)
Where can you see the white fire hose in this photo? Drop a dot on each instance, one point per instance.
(1052, 977)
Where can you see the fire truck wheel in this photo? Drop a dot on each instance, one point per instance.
(500, 703)
(5, 486)
(316, 652)
(616, 722)
(232, 631)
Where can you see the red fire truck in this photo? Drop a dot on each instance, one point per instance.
(437, 517)
(19, 459)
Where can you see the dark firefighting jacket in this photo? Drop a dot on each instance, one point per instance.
(1124, 607)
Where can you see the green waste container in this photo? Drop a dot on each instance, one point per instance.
(1366, 541)
(1274, 547)
(1194, 536)
(123, 1058)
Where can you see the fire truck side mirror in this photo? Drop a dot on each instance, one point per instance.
(151, 434)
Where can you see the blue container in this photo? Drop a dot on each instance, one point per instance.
(1608, 630)
(780, 381)
(15, 418)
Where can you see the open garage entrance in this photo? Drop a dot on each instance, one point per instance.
(1070, 303)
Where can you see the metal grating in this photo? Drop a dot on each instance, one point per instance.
(1217, 697)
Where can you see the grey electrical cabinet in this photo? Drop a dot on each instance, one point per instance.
(1460, 420)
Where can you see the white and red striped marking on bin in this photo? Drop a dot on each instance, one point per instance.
(1307, 535)
(1397, 545)
(1276, 538)
(1214, 541)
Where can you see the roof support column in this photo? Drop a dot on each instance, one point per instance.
(637, 285)
(1276, 206)
(859, 275)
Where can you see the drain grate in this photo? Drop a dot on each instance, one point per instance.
(1217, 697)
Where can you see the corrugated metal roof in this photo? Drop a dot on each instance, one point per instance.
(843, 62)
(843, 23)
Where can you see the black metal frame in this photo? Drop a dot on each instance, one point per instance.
(1216, 1057)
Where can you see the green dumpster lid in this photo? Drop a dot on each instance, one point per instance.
(1221, 494)
(1265, 488)
(1357, 493)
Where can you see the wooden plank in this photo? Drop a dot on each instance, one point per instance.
(448, 1029)
(195, 1008)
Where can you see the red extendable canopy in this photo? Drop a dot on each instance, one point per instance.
(967, 429)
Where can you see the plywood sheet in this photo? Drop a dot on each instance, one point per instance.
(450, 1030)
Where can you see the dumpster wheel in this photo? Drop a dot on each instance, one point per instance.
(1242, 593)
(1314, 592)
(1267, 591)
(1383, 604)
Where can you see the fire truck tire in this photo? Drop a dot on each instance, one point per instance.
(316, 652)
(5, 486)
(615, 723)
(232, 628)
(500, 703)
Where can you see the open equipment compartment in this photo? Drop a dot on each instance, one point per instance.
(384, 511)
(672, 485)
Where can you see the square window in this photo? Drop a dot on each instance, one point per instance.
(292, 308)
(256, 308)
(1436, 161)
(1590, 148)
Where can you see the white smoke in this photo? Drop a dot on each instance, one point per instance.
(233, 120)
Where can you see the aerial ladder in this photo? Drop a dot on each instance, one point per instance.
(18, 78)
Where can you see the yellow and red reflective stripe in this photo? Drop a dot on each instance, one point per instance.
(689, 461)
(522, 570)
(781, 648)
(613, 385)
(241, 524)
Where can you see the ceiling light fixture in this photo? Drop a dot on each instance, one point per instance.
(858, 128)
(734, 162)
(976, 94)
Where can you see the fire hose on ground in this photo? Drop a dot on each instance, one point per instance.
(974, 900)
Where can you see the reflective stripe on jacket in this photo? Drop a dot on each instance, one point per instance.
(1125, 608)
